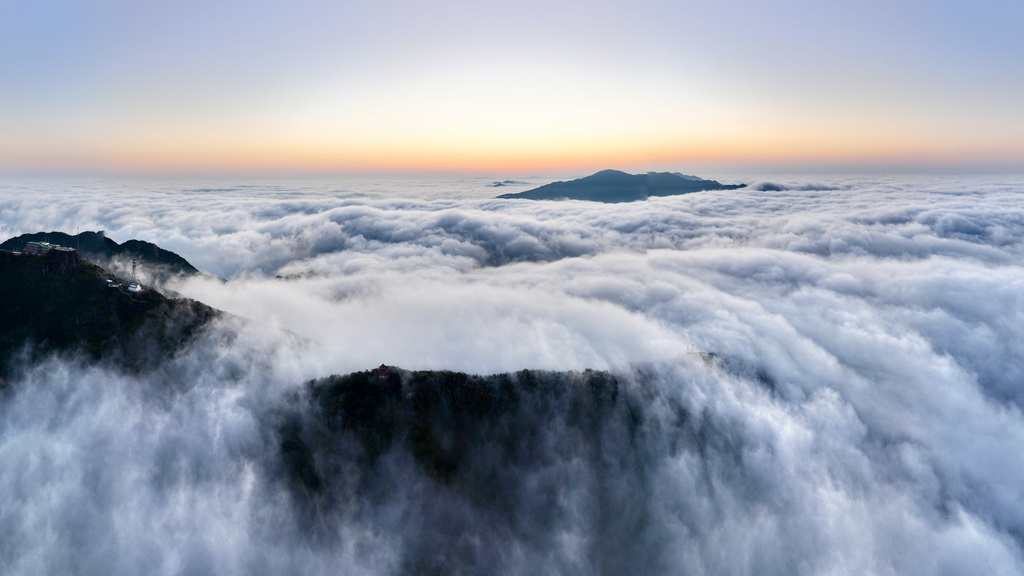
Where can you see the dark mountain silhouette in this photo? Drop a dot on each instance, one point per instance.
(506, 183)
(616, 186)
(155, 264)
(61, 303)
(440, 415)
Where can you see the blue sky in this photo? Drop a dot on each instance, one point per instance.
(523, 86)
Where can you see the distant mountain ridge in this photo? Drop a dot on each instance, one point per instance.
(617, 186)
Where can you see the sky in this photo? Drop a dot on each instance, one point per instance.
(516, 87)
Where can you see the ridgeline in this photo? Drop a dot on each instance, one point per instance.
(159, 264)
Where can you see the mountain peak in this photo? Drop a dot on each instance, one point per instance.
(617, 186)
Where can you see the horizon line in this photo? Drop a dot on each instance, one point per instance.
(729, 168)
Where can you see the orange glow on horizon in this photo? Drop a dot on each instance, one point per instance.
(295, 159)
(294, 155)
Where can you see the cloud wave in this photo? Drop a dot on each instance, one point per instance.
(848, 354)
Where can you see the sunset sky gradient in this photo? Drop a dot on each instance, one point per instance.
(144, 87)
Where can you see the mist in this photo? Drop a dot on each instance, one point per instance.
(808, 376)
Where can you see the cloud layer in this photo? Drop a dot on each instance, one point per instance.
(849, 353)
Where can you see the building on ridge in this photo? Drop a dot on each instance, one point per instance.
(40, 248)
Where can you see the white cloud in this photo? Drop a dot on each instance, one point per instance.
(860, 411)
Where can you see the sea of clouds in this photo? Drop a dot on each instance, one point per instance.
(849, 350)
